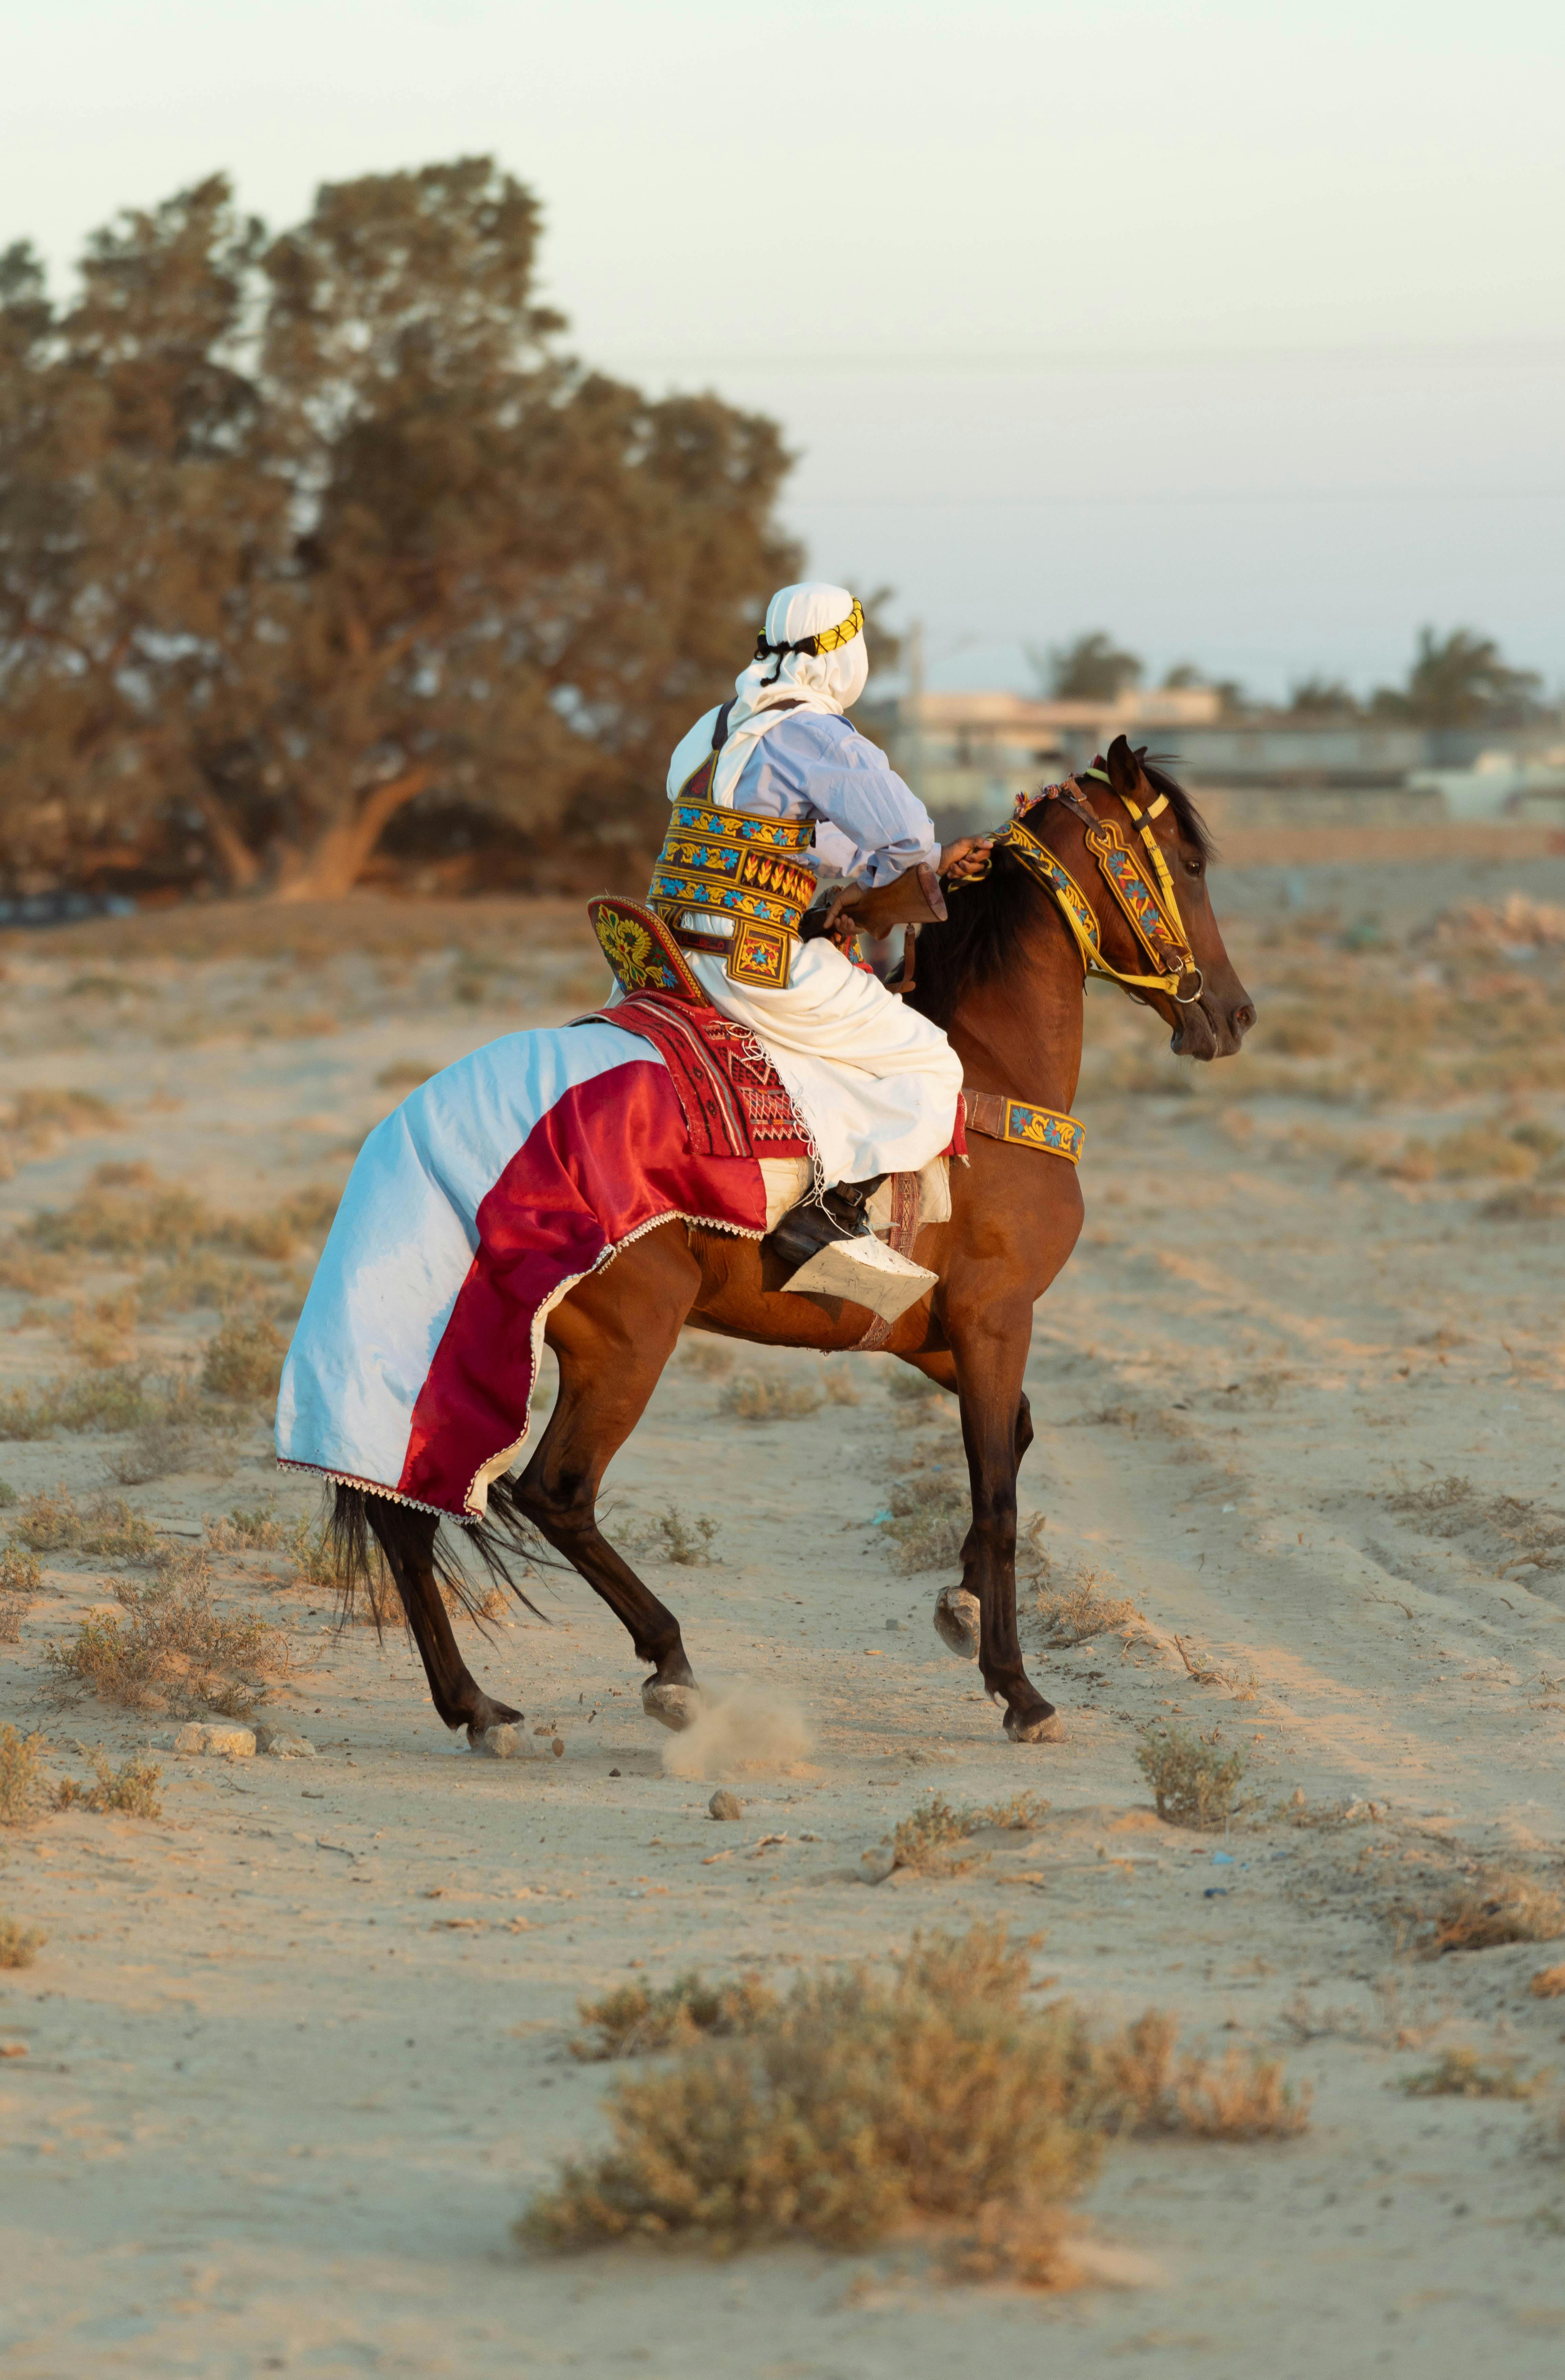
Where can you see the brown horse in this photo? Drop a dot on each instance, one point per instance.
(1005, 976)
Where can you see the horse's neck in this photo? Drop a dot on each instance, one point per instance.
(1022, 1033)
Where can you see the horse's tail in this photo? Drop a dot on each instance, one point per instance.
(366, 1534)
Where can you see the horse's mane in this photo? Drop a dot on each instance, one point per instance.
(983, 937)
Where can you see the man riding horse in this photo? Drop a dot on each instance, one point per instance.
(876, 1083)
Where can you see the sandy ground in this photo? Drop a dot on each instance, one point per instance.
(295, 2052)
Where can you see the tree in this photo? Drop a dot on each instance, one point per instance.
(1322, 698)
(295, 530)
(1460, 681)
(1092, 669)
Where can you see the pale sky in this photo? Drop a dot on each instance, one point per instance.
(1235, 329)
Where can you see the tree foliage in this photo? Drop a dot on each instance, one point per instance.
(1460, 681)
(1090, 669)
(297, 530)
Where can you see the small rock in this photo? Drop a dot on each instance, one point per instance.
(283, 1743)
(876, 1866)
(725, 1805)
(893, 1627)
(557, 1747)
(614, 1772)
(223, 1736)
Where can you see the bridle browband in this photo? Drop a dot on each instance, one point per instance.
(1147, 900)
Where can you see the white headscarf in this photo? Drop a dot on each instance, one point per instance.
(830, 681)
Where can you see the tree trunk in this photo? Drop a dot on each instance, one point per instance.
(335, 862)
(239, 864)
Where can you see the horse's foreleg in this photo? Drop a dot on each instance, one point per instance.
(613, 1335)
(989, 1345)
(406, 1537)
(958, 1609)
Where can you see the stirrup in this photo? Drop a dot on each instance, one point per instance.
(815, 1224)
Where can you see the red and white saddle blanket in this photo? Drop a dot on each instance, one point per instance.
(479, 1202)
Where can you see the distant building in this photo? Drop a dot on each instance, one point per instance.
(969, 755)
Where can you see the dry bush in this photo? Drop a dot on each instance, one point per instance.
(404, 1074)
(1461, 2074)
(205, 1280)
(132, 1790)
(20, 1945)
(855, 2106)
(908, 1387)
(9, 1496)
(670, 1537)
(21, 1774)
(841, 1389)
(244, 1359)
(99, 1333)
(108, 1525)
(126, 1211)
(20, 1573)
(30, 1271)
(1460, 1156)
(638, 2020)
(755, 1396)
(1506, 1529)
(1548, 1984)
(931, 1513)
(1299, 1811)
(1497, 1907)
(1194, 1783)
(1074, 1614)
(929, 1841)
(110, 1401)
(1526, 1202)
(172, 1650)
(706, 1356)
(255, 1529)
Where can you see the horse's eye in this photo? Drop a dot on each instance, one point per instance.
(1193, 867)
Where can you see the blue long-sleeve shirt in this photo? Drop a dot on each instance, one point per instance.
(869, 825)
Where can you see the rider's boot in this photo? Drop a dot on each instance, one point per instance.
(841, 1214)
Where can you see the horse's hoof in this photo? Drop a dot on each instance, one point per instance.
(957, 1616)
(1039, 1727)
(675, 1707)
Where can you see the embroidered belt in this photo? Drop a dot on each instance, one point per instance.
(734, 864)
(1000, 1118)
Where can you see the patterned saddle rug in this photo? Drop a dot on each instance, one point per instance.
(734, 1101)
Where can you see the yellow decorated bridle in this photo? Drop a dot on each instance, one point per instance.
(1146, 899)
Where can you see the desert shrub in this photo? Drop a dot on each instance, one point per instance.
(20, 1573)
(404, 1074)
(929, 1841)
(1074, 1614)
(20, 1945)
(1548, 1984)
(1497, 1907)
(9, 1496)
(109, 1400)
(29, 1271)
(108, 1525)
(670, 1537)
(255, 1529)
(1194, 1783)
(21, 1774)
(855, 2105)
(126, 1211)
(205, 1280)
(1524, 1202)
(1461, 2074)
(931, 1513)
(244, 1359)
(132, 1790)
(638, 2019)
(907, 1386)
(1461, 1155)
(755, 1396)
(172, 1650)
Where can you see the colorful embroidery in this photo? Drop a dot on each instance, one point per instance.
(1045, 1128)
(641, 952)
(759, 954)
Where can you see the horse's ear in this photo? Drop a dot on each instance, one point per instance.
(1124, 774)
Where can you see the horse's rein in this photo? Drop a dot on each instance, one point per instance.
(1147, 900)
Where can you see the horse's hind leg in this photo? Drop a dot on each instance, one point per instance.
(406, 1537)
(613, 1335)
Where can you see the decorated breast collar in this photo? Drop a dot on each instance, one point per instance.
(1144, 895)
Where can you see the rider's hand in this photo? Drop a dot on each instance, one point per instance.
(963, 858)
